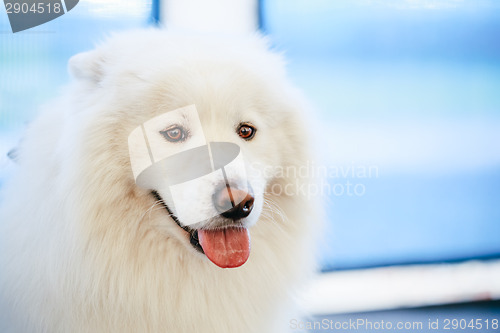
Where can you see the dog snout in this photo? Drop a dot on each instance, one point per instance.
(233, 203)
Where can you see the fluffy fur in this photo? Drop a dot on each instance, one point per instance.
(83, 249)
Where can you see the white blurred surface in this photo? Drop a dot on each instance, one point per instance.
(214, 16)
(403, 286)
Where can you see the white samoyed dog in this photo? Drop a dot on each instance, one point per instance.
(97, 238)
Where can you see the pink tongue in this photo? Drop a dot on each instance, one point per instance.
(227, 248)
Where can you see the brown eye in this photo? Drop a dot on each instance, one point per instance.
(246, 131)
(174, 134)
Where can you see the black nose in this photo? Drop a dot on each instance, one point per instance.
(233, 203)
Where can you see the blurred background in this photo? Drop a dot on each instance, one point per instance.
(407, 95)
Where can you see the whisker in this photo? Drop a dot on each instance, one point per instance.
(273, 209)
(154, 207)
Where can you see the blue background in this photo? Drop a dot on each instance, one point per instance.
(414, 88)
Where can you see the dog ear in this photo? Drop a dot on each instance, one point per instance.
(87, 66)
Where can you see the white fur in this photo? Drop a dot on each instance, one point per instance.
(81, 250)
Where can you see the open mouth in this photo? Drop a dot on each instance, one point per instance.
(193, 233)
(226, 247)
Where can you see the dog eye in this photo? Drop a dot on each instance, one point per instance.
(174, 134)
(246, 131)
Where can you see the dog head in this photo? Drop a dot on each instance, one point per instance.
(205, 121)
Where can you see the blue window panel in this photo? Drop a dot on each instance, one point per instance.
(33, 62)
(410, 87)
